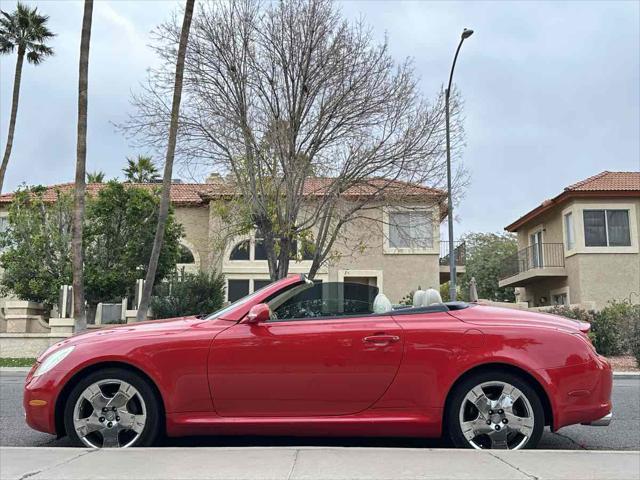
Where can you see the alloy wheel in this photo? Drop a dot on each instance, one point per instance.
(109, 413)
(496, 415)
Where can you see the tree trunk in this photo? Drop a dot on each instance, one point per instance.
(168, 165)
(79, 312)
(14, 113)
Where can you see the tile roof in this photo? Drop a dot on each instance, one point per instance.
(319, 186)
(181, 193)
(198, 193)
(608, 181)
(604, 184)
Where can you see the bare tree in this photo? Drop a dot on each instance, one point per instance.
(168, 164)
(79, 313)
(313, 122)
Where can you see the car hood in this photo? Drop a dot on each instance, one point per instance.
(500, 316)
(152, 327)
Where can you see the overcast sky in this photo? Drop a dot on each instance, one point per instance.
(551, 90)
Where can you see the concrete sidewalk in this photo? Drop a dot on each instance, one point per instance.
(313, 463)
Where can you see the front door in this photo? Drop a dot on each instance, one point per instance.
(317, 356)
(536, 250)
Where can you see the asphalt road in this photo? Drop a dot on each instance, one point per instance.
(622, 434)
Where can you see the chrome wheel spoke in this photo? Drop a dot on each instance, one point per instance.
(499, 439)
(481, 402)
(95, 397)
(129, 421)
(523, 425)
(508, 397)
(473, 428)
(110, 438)
(122, 396)
(90, 424)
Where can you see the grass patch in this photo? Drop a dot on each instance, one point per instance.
(17, 362)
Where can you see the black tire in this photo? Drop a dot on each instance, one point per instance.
(452, 422)
(153, 426)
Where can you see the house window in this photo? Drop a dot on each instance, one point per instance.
(569, 232)
(412, 230)
(560, 299)
(240, 251)
(185, 255)
(260, 252)
(258, 284)
(236, 289)
(606, 228)
(248, 250)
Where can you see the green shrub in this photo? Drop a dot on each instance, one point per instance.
(606, 334)
(188, 294)
(615, 330)
(635, 343)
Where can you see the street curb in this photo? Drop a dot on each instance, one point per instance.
(626, 375)
(15, 369)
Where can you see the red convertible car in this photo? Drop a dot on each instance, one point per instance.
(324, 359)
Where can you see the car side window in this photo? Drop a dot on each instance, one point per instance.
(325, 300)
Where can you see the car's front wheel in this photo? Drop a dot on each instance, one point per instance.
(111, 408)
(495, 410)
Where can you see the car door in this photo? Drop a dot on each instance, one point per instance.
(311, 360)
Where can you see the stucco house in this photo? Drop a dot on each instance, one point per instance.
(399, 248)
(580, 247)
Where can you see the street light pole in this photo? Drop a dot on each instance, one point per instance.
(452, 260)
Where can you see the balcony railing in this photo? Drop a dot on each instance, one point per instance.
(539, 255)
(459, 253)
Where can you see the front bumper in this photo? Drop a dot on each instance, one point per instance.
(39, 398)
(601, 422)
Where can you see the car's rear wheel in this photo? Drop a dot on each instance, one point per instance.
(113, 408)
(495, 410)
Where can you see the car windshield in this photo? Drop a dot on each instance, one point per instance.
(233, 305)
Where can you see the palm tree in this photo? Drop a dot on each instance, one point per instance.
(141, 170)
(168, 165)
(95, 177)
(25, 30)
(79, 313)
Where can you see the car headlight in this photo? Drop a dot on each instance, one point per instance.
(52, 360)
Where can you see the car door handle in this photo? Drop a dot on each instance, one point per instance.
(381, 339)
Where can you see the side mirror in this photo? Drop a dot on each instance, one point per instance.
(259, 313)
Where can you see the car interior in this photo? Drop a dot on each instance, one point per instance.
(342, 299)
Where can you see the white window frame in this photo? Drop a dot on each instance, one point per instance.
(377, 274)
(190, 267)
(252, 253)
(569, 231)
(435, 247)
(560, 291)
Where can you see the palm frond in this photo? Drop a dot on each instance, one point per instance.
(25, 29)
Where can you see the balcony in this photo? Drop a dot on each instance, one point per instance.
(532, 263)
(459, 255)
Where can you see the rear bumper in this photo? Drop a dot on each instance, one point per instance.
(581, 394)
(601, 422)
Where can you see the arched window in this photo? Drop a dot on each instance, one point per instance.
(240, 251)
(185, 255)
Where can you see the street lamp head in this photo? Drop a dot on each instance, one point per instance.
(466, 33)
